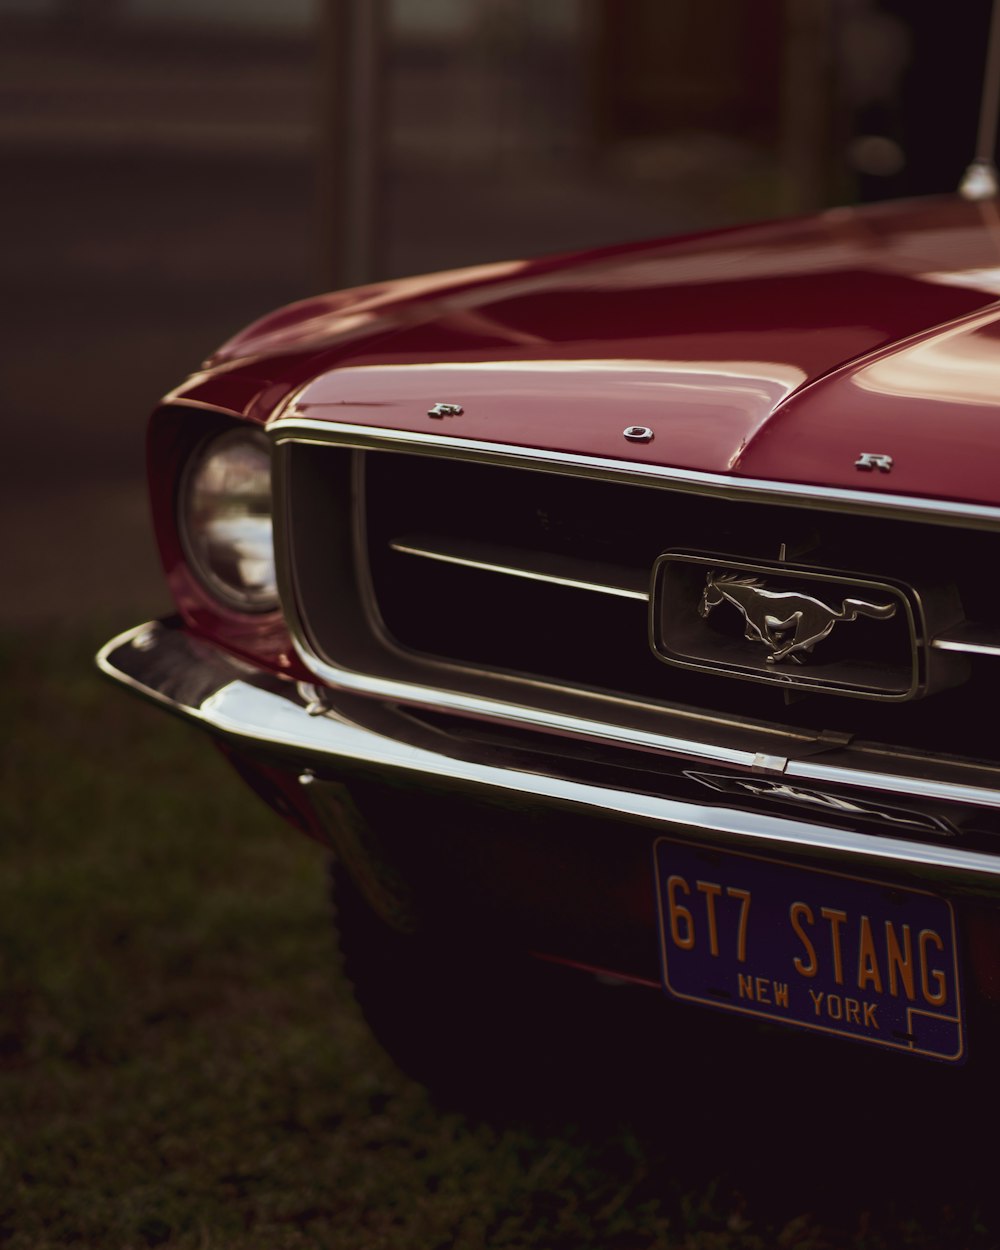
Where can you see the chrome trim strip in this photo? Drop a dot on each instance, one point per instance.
(201, 683)
(292, 426)
(425, 551)
(968, 648)
(894, 783)
(970, 639)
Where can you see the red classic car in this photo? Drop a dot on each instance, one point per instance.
(631, 610)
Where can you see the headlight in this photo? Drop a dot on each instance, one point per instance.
(224, 515)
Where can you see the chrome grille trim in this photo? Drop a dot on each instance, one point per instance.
(296, 429)
(895, 783)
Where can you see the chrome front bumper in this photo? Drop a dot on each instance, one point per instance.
(283, 722)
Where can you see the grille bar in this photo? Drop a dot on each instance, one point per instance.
(539, 566)
(971, 638)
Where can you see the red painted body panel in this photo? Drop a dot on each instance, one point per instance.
(778, 351)
(933, 404)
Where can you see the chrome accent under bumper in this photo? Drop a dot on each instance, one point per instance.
(283, 720)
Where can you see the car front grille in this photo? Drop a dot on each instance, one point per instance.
(532, 586)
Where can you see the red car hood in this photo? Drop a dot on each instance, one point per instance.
(779, 351)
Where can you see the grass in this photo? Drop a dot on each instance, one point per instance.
(181, 1064)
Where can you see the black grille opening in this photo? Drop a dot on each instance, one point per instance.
(502, 622)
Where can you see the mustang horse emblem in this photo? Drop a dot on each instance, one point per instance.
(787, 622)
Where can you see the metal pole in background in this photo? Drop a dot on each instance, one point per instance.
(980, 181)
(806, 106)
(351, 140)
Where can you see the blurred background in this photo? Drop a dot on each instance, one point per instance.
(174, 168)
(180, 1063)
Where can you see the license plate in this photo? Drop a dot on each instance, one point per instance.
(820, 950)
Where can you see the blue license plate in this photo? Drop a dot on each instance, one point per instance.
(820, 950)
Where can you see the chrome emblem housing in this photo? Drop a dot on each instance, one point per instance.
(788, 623)
(802, 628)
(445, 410)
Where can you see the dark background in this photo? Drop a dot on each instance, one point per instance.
(173, 170)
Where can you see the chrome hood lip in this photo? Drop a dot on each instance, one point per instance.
(292, 426)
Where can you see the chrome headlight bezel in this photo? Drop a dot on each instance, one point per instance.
(241, 580)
